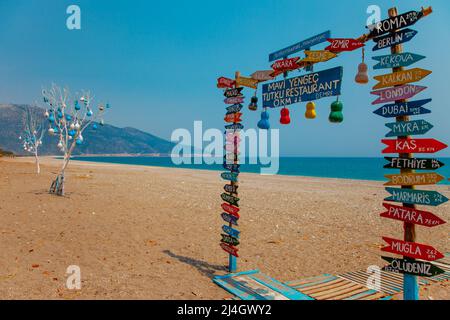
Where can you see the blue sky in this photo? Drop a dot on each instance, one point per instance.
(157, 62)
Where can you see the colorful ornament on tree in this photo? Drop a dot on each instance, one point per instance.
(285, 117)
(310, 110)
(336, 115)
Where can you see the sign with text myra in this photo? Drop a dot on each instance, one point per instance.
(411, 215)
(413, 146)
(342, 44)
(400, 77)
(413, 163)
(397, 93)
(406, 128)
(410, 196)
(300, 46)
(412, 249)
(410, 179)
(393, 39)
(309, 87)
(415, 268)
(396, 60)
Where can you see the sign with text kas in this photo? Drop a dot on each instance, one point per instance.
(308, 87)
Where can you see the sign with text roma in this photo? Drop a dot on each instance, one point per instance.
(309, 87)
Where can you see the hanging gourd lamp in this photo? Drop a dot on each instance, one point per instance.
(253, 106)
(264, 123)
(285, 117)
(310, 110)
(362, 76)
(336, 115)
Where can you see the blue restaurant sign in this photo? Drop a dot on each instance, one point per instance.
(300, 46)
(309, 87)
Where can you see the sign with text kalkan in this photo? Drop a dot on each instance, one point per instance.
(308, 87)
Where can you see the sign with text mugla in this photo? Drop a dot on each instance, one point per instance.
(308, 87)
(412, 249)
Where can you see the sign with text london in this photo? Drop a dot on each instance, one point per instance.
(309, 87)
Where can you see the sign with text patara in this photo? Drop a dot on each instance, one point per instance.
(309, 87)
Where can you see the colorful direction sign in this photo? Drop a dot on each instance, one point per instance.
(235, 126)
(230, 176)
(412, 249)
(308, 87)
(233, 117)
(234, 100)
(400, 77)
(234, 92)
(397, 93)
(300, 46)
(234, 108)
(230, 249)
(412, 267)
(396, 60)
(413, 163)
(410, 196)
(410, 179)
(318, 56)
(398, 22)
(229, 218)
(287, 64)
(406, 128)
(411, 215)
(343, 44)
(232, 232)
(246, 82)
(230, 188)
(229, 240)
(223, 82)
(262, 75)
(393, 39)
(234, 201)
(232, 167)
(231, 209)
(410, 108)
(413, 146)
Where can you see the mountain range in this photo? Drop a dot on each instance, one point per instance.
(107, 139)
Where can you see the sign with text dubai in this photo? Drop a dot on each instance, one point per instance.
(309, 87)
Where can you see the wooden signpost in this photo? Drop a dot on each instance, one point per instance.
(412, 267)
(232, 189)
(234, 92)
(232, 241)
(413, 163)
(234, 108)
(234, 100)
(411, 215)
(234, 201)
(235, 126)
(232, 232)
(233, 251)
(394, 39)
(263, 75)
(246, 82)
(341, 44)
(400, 109)
(232, 220)
(406, 128)
(231, 209)
(400, 77)
(233, 117)
(396, 60)
(223, 82)
(412, 249)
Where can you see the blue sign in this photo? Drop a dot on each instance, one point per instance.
(232, 232)
(404, 59)
(309, 87)
(410, 108)
(390, 40)
(410, 196)
(407, 128)
(300, 46)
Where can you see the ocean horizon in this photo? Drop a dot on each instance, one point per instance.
(355, 168)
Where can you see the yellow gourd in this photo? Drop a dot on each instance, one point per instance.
(310, 110)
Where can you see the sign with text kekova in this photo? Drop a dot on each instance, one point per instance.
(308, 87)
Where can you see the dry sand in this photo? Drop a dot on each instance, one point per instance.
(153, 233)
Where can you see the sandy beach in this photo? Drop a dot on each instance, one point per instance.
(153, 233)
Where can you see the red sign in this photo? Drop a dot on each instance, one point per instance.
(233, 117)
(231, 209)
(230, 249)
(342, 44)
(223, 82)
(287, 64)
(413, 146)
(412, 249)
(411, 215)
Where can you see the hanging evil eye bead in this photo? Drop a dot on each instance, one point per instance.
(51, 118)
(79, 142)
(90, 113)
(264, 123)
(68, 117)
(77, 106)
(101, 107)
(94, 126)
(336, 115)
(253, 103)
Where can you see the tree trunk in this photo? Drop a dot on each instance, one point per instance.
(38, 166)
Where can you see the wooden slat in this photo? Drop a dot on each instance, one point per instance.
(345, 289)
(311, 280)
(352, 293)
(262, 290)
(363, 281)
(320, 287)
(359, 296)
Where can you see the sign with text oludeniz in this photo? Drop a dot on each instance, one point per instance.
(309, 87)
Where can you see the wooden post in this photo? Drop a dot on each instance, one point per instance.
(410, 285)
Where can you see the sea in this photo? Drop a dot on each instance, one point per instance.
(342, 168)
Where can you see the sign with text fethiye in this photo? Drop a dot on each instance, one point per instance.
(308, 87)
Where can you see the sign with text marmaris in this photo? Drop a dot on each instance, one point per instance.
(309, 87)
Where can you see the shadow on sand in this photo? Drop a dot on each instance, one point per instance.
(205, 268)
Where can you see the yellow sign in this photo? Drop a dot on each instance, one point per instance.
(318, 56)
(246, 82)
(401, 77)
(410, 179)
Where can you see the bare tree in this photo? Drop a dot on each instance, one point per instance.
(34, 130)
(68, 117)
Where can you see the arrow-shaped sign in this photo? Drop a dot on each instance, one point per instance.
(413, 146)
(412, 249)
(233, 117)
(229, 240)
(231, 93)
(230, 249)
(230, 188)
(229, 218)
(398, 22)
(235, 126)
(393, 39)
(411, 179)
(223, 82)
(230, 176)
(410, 196)
(404, 59)
(411, 215)
(409, 108)
(234, 201)
(231, 167)
(232, 232)
(318, 56)
(228, 208)
(263, 75)
(397, 93)
(415, 268)
(285, 65)
(406, 128)
(234, 108)
(246, 82)
(413, 163)
(343, 44)
(400, 77)
(234, 100)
